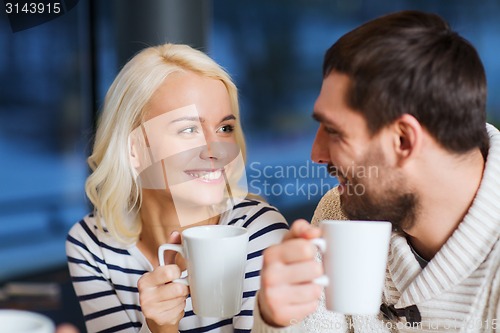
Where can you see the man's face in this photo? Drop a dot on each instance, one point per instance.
(370, 184)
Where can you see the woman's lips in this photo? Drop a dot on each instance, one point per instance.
(206, 176)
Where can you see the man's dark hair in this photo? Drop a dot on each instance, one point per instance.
(411, 62)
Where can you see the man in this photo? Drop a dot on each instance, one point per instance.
(404, 94)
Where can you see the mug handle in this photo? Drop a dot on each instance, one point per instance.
(321, 245)
(172, 247)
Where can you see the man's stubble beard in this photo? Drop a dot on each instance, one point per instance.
(397, 208)
(384, 198)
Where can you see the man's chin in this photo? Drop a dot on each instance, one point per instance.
(354, 208)
(346, 207)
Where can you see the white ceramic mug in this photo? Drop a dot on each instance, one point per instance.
(216, 258)
(355, 260)
(20, 321)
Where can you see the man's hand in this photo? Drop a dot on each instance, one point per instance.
(287, 292)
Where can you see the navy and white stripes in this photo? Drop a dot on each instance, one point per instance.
(105, 273)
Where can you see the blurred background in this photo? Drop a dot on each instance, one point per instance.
(53, 78)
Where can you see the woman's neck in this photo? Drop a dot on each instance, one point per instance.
(159, 217)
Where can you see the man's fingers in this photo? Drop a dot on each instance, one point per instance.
(302, 229)
(291, 251)
(302, 272)
(294, 295)
(282, 314)
(287, 292)
(297, 313)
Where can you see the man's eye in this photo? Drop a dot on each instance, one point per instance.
(226, 129)
(331, 131)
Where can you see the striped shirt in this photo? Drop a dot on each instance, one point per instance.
(457, 291)
(105, 273)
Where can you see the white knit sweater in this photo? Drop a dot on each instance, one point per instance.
(458, 290)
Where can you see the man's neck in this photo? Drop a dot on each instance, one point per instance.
(446, 191)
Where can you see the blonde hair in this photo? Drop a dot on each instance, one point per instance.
(112, 186)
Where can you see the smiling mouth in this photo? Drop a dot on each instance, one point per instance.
(335, 172)
(207, 176)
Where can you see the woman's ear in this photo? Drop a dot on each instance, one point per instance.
(408, 138)
(132, 153)
(137, 150)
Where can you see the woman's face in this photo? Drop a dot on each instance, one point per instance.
(186, 144)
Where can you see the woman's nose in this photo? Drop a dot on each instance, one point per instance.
(221, 152)
(213, 151)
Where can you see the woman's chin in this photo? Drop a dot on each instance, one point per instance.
(201, 198)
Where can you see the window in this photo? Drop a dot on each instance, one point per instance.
(273, 49)
(45, 128)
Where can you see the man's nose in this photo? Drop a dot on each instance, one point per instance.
(319, 151)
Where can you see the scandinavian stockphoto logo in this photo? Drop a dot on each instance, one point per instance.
(28, 14)
(305, 180)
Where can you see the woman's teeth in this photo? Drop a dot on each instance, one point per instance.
(206, 175)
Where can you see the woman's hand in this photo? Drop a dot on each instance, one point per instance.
(163, 301)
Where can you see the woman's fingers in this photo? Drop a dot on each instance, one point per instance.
(162, 303)
(159, 276)
(169, 255)
(166, 314)
(166, 311)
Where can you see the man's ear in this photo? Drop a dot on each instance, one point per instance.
(408, 138)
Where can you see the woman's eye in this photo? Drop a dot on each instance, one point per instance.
(189, 130)
(226, 129)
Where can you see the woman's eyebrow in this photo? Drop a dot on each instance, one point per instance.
(187, 118)
(229, 117)
(201, 120)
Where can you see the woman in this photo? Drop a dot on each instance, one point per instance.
(168, 154)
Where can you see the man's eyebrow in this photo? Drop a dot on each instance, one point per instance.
(321, 119)
(316, 116)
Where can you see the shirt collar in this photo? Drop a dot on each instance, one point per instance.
(464, 251)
